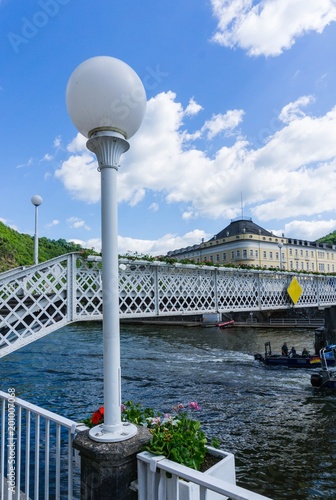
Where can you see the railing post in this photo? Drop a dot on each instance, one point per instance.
(215, 290)
(71, 286)
(156, 290)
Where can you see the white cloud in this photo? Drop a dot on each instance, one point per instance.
(293, 175)
(47, 157)
(269, 27)
(309, 230)
(157, 247)
(193, 108)
(80, 177)
(154, 207)
(293, 110)
(223, 122)
(54, 222)
(77, 223)
(58, 142)
(27, 164)
(78, 144)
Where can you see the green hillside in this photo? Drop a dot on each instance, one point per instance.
(17, 249)
(330, 238)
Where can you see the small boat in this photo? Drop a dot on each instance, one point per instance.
(226, 324)
(297, 361)
(325, 378)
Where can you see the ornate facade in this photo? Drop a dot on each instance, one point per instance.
(244, 242)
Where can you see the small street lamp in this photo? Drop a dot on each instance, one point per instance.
(280, 245)
(106, 102)
(36, 201)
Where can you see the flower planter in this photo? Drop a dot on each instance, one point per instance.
(149, 478)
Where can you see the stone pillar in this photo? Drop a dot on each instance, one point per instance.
(107, 469)
(330, 324)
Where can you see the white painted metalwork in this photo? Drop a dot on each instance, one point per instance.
(41, 299)
(153, 483)
(39, 447)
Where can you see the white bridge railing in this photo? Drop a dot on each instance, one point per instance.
(36, 454)
(40, 299)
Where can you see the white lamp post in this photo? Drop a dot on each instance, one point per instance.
(36, 201)
(280, 245)
(106, 102)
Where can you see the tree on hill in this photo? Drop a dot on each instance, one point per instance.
(17, 249)
(329, 238)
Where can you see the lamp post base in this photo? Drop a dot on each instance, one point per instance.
(125, 431)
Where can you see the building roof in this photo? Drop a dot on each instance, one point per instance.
(239, 226)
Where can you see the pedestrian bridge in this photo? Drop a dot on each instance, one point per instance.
(40, 299)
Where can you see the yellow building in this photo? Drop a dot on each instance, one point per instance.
(244, 242)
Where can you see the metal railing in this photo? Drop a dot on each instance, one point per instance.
(183, 482)
(43, 298)
(36, 455)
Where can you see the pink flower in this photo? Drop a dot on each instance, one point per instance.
(193, 405)
(123, 407)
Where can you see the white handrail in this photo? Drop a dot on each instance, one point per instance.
(36, 451)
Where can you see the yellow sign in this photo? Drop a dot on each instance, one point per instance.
(294, 290)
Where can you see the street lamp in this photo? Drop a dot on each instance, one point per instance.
(106, 102)
(280, 245)
(36, 201)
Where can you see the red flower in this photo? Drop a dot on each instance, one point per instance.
(101, 410)
(96, 418)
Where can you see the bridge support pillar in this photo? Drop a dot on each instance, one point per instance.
(330, 324)
(108, 469)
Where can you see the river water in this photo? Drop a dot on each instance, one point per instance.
(280, 429)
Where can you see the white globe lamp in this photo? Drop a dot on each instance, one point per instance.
(106, 102)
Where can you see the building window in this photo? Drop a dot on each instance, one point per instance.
(328, 268)
(264, 254)
(291, 264)
(217, 257)
(307, 267)
(238, 253)
(301, 253)
(205, 258)
(256, 253)
(312, 266)
(232, 254)
(224, 256)
(320, 255)
(302, 266)
(297, 265)
(312, 254)
(290, 251)
(211, 258)
(306, 253)
(321, 267)
(296, 252)
(277, 255)
(271, 255)
(245, 254)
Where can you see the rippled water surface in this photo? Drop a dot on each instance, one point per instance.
(280, 429)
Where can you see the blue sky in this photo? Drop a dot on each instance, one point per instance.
(241, 106)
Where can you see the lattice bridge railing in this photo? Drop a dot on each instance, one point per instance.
(41, 299)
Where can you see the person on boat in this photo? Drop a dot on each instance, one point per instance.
(305, 352)
(292, 352)
(284, 349)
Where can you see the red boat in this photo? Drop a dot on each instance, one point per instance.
(226, 324)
